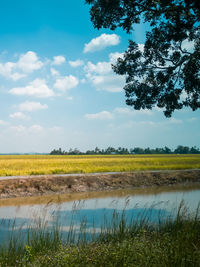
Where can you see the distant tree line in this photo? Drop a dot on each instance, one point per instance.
(123, 151)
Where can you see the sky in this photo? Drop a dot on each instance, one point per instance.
(57, 88)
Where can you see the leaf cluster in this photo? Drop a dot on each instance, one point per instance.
(165, 72)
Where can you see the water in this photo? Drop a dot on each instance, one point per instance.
(97, 207)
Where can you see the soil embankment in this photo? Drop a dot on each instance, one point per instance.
(60, 184)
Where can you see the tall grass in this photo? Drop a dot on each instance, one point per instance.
(172, 241)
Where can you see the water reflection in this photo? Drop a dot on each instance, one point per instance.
(96, 207)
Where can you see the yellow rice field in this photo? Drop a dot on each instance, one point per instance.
(50, 164)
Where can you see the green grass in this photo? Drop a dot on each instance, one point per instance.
(49, 164)
(173, 242)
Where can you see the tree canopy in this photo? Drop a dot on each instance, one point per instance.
(123, 151)
(165, 70)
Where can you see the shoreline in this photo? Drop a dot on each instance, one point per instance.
(25, 186)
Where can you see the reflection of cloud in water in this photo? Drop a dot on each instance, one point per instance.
(172, 199)
(166, 200)
(99, 217)
(28, 211)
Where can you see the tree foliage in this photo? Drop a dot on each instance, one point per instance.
(165, 71)
(125, 151)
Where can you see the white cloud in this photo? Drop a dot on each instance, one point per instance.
(76, 63)
(101, 75)
(35, 129)
(114, 56)
(36, 88)
(66, 83)
(101, 42)
(19, 115)
(32, 106)
(54, 72)
(103, 115)
(99, 68)
(6, 70)
(29, 62)
(70, 98)
(133, 112)
(111, 83)
(58, 60)
(103, 67)
(118, 111)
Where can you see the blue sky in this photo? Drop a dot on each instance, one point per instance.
(57, 88)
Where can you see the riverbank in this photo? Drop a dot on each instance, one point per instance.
(24, 186)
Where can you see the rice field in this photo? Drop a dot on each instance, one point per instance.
(13, 165)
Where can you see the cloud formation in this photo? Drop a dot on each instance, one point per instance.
(36, 88)
(36, 129)
(54, 72)
(103, 115)
(58, 60)
(6, 70)
(99, 68)
(125, 111)
(32, 106)
(102, 77)
(66, 83)
(109, 83)
(27, 63)
(101, 42)
(76, 63)
(18, 115)
(114, 56)
(33, 129)
(132, 112)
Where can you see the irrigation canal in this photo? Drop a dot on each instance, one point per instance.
(95, 207)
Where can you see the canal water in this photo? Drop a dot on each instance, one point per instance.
(96, 208)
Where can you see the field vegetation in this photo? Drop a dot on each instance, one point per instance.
(170, 242)
(13, 165)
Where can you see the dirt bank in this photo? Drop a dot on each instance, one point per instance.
(59, 184)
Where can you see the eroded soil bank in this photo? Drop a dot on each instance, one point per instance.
(60, 184)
